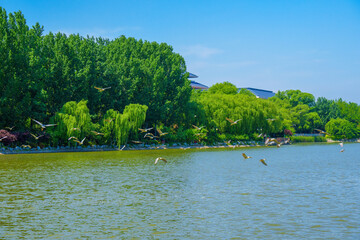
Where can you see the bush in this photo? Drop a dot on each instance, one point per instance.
(307, 139)
(7, 138)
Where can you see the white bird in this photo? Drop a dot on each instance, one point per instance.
(232, 121)
(101, 89)
(3, 138)
(72, 138)
(341, 144)
(321, 131)
(36, 137)
(160, 158)
(198, 128)
(160, 132)
(263, 161)
(278, 144)
(97, 133)
(82, 141)
(43, 126)
(122, 148)
(144, 130)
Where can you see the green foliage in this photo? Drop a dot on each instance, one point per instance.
(342, 128)
(40, 73)
(326, 109)
(296, 97)
(247, 92)
(73, 121)
(129, 122)
(254, 115)
(223, 88)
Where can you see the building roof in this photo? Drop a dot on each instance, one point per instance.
(191, 75)
(260, 93)
(196, 85)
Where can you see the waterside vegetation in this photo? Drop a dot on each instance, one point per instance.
(95, 91)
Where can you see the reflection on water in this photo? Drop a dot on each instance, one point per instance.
(306, 191)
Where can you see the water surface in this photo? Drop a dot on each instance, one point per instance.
(305, 192)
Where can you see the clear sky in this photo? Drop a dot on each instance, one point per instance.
(313, 46)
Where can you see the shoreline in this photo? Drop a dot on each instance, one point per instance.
(38, 150)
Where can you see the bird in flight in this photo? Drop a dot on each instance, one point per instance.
(278, 144)
(160, 158)
(245, 156)
(75, 129)
(263, 161)
(36, 137)
(150, 135)
(109, 120)
(341, 144)
(43, 126)
(271, 119)
(82, 141)
(3, 138)
(10, 128)
(122, 148)
(342, 150)
(137, 142)
(25, 146)
(232, 121)
(97, 133)
(321, 131)
(102, 89)
(160, 132)
(77, 140)
(197, 128)
(144, 130)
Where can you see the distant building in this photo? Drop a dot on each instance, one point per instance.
(260, 93)
(196, 85)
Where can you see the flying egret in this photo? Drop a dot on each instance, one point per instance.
(36, 137)
(160, 132)
(245, 156)
(102, 89)
(43, 126)
(232, 121)
(145, 130)
(263, 161)
(97, 133)
(160, 158)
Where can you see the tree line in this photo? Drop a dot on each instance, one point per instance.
(105, 90)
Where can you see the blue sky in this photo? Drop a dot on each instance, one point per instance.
(313, 46)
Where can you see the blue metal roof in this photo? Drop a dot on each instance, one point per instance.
(191, 75)
(260, 93)
(197, 85)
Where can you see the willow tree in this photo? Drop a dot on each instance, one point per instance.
(108, 126)
(73, 120)
(128, 123)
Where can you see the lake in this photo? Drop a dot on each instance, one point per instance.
(307, 191)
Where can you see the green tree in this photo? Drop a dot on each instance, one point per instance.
(73, 121)
(342, 128)
(223, 88)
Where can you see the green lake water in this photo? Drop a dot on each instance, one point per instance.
(305, 192)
